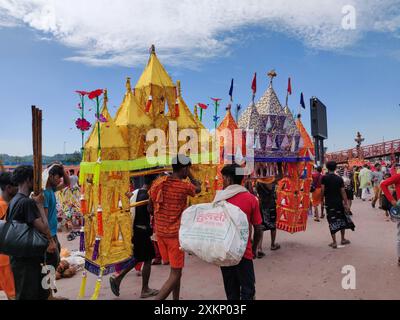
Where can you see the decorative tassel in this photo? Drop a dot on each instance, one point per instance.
(148, 104)
(97, 288)
(83, 205)
(82, 290)
(100, 230)
(82, 240)
(96, 249)
(216, 183)
(177, 108)
(207, 183)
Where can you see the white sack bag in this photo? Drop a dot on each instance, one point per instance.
(217, 233)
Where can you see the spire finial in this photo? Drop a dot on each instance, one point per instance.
(105, 96)
(272, 74)
(153, 49)
(128, 85)
(178, 88)
(196, 112)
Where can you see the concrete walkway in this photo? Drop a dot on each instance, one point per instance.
(304, 268)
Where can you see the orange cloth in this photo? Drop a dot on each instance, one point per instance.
(169, 197)
(316, 198)
(6, 275)
(7, 281)
(170, 252)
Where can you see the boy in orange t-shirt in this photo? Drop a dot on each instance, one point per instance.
(8, 191)
(168, 200)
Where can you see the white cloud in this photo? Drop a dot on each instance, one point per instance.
(119, 32)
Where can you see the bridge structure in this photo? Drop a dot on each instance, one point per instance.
(374, 151)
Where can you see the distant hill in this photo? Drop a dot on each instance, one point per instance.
(68, 159)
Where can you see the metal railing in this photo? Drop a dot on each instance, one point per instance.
(367, 152)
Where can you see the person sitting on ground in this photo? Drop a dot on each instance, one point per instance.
(143, 249)
(239, 281)
(168, 200)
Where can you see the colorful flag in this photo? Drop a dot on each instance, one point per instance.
(254, 84)
(302, 101)
(231, 91)
(289, 89)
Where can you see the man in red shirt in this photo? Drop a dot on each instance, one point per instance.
(394, 180)
(168, 200)
(239, 281)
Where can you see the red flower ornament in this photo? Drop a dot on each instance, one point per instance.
(95, 94)
(83, 124)
(82, 93)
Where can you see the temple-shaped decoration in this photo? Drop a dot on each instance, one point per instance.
(276, 137)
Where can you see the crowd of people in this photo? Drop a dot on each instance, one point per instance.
(156, 225)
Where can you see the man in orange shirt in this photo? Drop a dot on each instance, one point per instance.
(168, 199)
(8, 191)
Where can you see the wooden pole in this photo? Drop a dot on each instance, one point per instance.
(34, 144)
(40, 160)
(37, 149)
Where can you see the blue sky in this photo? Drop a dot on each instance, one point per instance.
(357, 80)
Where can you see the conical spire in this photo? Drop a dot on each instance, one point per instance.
(228, 122)
(110, 136)
(130, 113)
(269, 103)
(154, 73)
(250, 118)
(185, 119)
(291, 127)
(307, 145)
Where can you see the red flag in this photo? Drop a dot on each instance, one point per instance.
(254, 84)
(289, 89)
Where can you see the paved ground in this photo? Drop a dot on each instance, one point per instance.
(305, 267)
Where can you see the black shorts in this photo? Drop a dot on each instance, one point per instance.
(350, 194)
(143, 248)
(28, 279)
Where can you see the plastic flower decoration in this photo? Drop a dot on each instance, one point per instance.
(95, 94)
(82, 93)
(83, 124)
(101, 118)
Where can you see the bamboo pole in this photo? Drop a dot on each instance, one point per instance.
(37, 149)
(40, 160)
(34, 144)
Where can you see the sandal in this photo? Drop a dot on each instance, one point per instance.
(276, 247)
(156, 262)
(260, 255)
(333, 245)
(151, 293)
(114, 286)
(316, 220)
(71, 237)
(345, 242)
